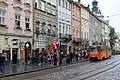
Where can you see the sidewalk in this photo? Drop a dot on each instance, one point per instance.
(21, 68)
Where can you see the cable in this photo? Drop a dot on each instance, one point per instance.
(112, 15)
(114, 25)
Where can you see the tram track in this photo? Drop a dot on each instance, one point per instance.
(94, 72)
(73, 75)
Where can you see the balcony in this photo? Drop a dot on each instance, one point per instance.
(18, 30)
(4, 2)
(79, 40)
(3, 28)
(27, 6)
(27, 32)
(18, 2)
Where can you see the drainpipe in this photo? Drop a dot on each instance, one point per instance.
(33, 2)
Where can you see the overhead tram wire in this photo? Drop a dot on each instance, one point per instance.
(114, 15)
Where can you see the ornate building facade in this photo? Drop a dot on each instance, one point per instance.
(16, 29)
(64, 25)
(45, 23)
(76, 26)
(84, 26)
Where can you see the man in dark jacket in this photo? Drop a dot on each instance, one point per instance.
(55, 59)
(2, 65)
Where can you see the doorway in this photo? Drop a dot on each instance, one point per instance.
(14, 55)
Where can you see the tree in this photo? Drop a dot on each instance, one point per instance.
(113, 37)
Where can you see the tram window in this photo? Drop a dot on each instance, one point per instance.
(93, 50)
(98, 48)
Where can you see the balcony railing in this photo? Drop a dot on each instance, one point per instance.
(79, 40)
(18, 2)
(3, 28)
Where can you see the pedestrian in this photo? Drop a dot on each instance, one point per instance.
(55, 59)
(71, 56)
(61, 58)
(2, 65)
(41, 58)
(29, 59)
(76, 56)
(49, 59)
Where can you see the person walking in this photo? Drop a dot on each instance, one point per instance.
(55, 59)
(29, 59)
(2, 65)
(49, 59)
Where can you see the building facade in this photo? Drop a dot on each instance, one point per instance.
(16, 29)
(93, 29)
(103, 32)
(45, 23)
(107, 32)
(117, 43)
(64, 25)
(76, 26)
(84, 27)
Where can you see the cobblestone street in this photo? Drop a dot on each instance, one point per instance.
(73, 72)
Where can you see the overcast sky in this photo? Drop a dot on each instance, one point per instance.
(108, 8)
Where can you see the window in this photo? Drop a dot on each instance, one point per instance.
(63, 29)
(35, 5)
(66, 30)
(69, 6)
(43, 30)
(59, 2)
(49, 29)
(69, 30)
(49, 7)
(54, 10)
(85, 35)
(2, 17)
(27, 22)
(42, 5)
(63, 2)
(66, 5)
(17, 20)
(27, 1)
(59, 28)
(82, 35)
(76, 34)
(15, 41)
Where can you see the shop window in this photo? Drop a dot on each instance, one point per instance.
(15, 41)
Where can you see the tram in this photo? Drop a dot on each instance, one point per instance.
(100, 52)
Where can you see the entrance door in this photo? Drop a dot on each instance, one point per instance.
(14, 55)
